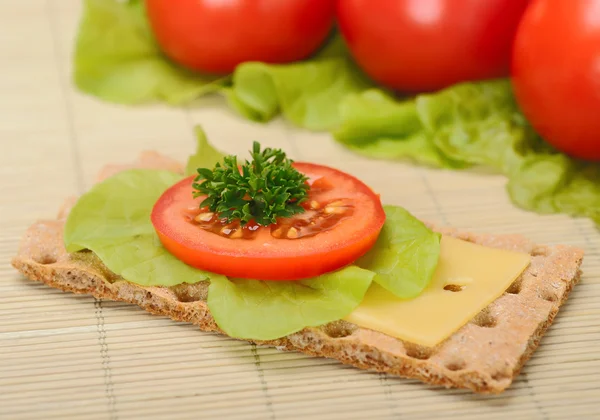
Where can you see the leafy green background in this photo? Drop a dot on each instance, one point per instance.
(471, 124)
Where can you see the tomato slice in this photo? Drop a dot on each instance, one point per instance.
(342, 221)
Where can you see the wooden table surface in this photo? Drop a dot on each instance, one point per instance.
(66, 356)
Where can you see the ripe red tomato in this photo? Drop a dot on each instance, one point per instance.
(556, 73)
(424, 45)
(215, 36)
(342, 221)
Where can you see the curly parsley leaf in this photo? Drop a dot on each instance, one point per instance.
(263, 189)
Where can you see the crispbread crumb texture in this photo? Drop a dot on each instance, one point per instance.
(484, 356)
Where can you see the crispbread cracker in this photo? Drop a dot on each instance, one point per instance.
(485, 355)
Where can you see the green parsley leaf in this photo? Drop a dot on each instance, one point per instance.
(262, 190)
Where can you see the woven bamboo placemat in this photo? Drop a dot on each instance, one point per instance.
(66, 356)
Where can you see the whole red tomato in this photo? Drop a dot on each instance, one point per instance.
(556, 73)
(424, 45)
(215, 36)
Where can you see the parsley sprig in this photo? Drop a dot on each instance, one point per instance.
(263, 189)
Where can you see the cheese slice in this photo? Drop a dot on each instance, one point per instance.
(467, 279)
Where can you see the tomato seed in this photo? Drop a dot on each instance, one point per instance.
(334, 210)
(237, 234)
(204, 217)
(292, 233)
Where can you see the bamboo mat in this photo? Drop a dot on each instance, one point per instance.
(66, 356)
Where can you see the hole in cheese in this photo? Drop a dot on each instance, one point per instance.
(453, 287)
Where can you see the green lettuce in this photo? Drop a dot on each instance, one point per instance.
(117, 59)
(556, 184)
(113, 220)
(472, 124)
(206, 155)
(267, 310)
(479, 124)
(405, 255)
(306, 93)
(376, 125)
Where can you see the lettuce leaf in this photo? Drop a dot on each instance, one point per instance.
(556, 184)
(266, 310)
(206, 155)
(479, 124)
(117, 59)
(113, 220)
(307, 93)
(376, 125)
(405, 255)
(472, 124)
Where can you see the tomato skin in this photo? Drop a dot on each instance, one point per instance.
(425, 45)
(556, 73)
(265, 257)
(214, 36)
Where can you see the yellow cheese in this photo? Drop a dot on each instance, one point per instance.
(473, 276)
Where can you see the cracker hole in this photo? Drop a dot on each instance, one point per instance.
(548, 295)
(187, 298)
(45, 259)
(539, 251)
(456, 365)
(339, 329)
(484, 319)
(516, 287)
(500, 376)
(187, 293)
(454, 287)
(418, 352)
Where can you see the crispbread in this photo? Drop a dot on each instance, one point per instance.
(484, 356)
